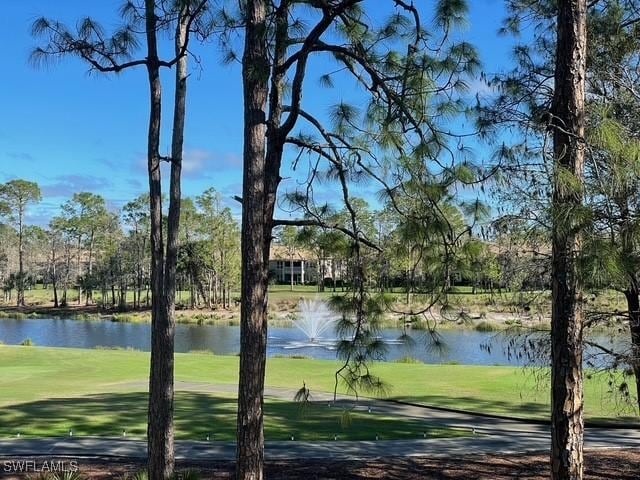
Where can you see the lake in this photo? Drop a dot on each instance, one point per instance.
(453, 346)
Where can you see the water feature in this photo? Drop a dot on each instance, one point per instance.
(457, 346)
(315, 319)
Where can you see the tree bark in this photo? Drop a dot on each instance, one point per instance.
(67, 269)
(253, 326)
(633, 305)
(122, 301)
(79, 263)
(20, 283)
(89, 292)
(291, 271)
(54, 280)
(161, 385)
(261, 178)
(160, 423)
(567, 423)
(632, 293)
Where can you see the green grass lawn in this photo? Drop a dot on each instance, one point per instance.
(198, 415)
(39, 296)
(47, 391)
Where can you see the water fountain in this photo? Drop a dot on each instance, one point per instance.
(315, 319)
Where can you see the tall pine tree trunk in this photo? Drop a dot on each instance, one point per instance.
(567, 423)
(89, 292)
(161, 391)
(253, 327)
(20, 282)
(160, 425)
(79, 263)
(633, 305)
(54, 279)
(291, 272)
(632, 293)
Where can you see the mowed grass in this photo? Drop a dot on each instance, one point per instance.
(49, 391)
(38, 295)
(200, 415)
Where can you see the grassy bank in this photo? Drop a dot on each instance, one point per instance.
(47, 391)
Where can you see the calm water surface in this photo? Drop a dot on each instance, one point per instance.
(459, 346)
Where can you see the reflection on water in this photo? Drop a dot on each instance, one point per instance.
(453, 346)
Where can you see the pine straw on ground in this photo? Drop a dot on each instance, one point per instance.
(599, 464)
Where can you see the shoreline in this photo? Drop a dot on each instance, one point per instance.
(279, 317)
(486, 323)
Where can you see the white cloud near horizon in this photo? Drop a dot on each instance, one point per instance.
(67, 185)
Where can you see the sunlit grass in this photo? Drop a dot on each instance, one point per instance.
(29, 374)
(202, 415)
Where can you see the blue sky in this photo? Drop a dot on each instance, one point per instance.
(71, 131)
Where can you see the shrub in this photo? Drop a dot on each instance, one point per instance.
(294, 357)
(485, 326)
(513, 323)
(27, 342)
(128, 318)
(418, 325)
(407, 359)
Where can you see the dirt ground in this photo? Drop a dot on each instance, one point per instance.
(600, 464)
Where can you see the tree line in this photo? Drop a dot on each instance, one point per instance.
(88, 248)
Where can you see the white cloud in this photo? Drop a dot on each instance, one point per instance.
(67, 185)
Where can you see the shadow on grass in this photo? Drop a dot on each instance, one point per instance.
(525, 409)
(198, 415)
(538, 411)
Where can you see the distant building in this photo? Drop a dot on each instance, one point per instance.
(302, 264)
